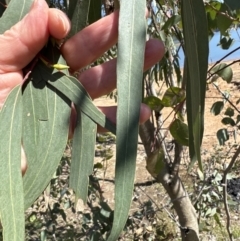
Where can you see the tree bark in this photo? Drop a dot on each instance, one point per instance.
(169, 178)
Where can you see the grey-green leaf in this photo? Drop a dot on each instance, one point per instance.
(11, 191)
(229, 112)
(131, 47)
(171, 21)
(154, 103)
(217, 107)
(95, 11)
(222, 136)
(15, 11)
(228, 121)
(179, 130)
(173, 96)
(196, 49)
(73, 90)
(223, 71)
(78, 14)
(46, 116)
(83, 152)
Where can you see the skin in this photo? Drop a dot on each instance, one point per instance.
(20, 44)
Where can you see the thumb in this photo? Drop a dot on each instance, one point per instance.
(24, 40)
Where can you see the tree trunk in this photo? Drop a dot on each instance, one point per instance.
(169, 178)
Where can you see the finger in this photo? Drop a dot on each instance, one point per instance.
(111, 113)
(58, 23)
(101, 79)
(90, 43)
(20, 44)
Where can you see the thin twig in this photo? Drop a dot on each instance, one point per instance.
(220, 60)
(225, 98)
(226, 171)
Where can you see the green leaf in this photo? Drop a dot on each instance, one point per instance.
(171, 21)
(217, 219)
(238, 119)
(11, 191)
(154, 103)
(179, 131)
(223, 21)
(131, 46)
(15, 11)
(78, 14)
(226, 42)
(95, 11)
(222, 136)
(156, 162)
(228, 121)
(223, 71)
(83, 152)
(217, 107)
(195, 71)
(173, 96)
(229, 112)
(74, 91)
(46, 111)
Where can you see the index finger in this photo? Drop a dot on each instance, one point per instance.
(90, 43)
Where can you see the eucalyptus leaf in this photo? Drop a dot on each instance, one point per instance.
(156, 162)
(44, 139)
(78, 14)
(223, 21)
(74, 91)
(226, 42)
(171, 21)
(217, 107)
(179, 130)
(11, 191)
(154, 103)
(173, 96)
(229, 112)
(130, 60)
(95, 11)
(228, 121)
(196, 64)
(83, 152)
(222, 136)
(223, 71)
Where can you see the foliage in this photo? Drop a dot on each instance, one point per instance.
(51, 90)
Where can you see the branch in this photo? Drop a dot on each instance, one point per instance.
(225, 98)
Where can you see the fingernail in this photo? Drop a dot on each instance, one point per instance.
(66, 26)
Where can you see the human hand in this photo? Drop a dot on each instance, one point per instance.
(20, 44)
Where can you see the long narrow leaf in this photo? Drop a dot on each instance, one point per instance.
(196, 46)
(131, 46)
(73, 90)
(11, 191)
(78, 14)
(15, 11)
(45, 134)
(95, 11)
(83, 152)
